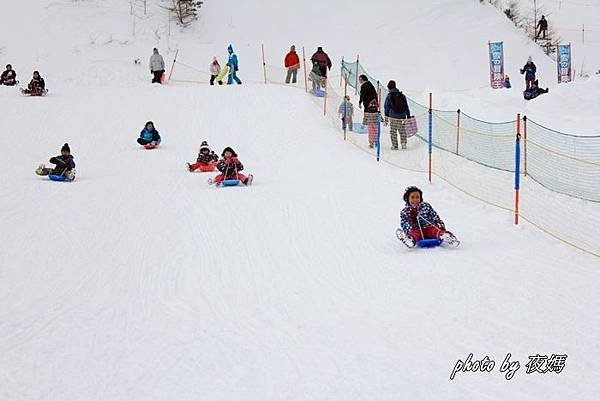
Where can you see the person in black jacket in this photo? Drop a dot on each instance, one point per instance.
(543, 26)
(368, 99)
(9, 76)
(534, 91)
(36, 86)
(65, 165)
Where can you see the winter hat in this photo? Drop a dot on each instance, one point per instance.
(391, 85)
(230, 49)
(228, 149)
(529, 60)
(319, 49)
(293, 48)
(65, 148)
(204, 145)
(410, 190)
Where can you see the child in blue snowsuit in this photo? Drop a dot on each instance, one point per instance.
(418, 220)
(149, 135)
(233, 67)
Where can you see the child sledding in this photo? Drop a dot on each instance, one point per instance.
(64, 169)
(36, 87)
(420, 224)
(230, 167)
(206, 160)
(149, 136)
(534, 91)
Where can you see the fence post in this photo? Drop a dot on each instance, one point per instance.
(325, 99)
(174, 61)
(264, 64)
(430, 137)
(356, 83)
(305, 78)
(378, 138)
(525, 145)
(517, 167)
(342, 71)
(345, 106)
(457, 129)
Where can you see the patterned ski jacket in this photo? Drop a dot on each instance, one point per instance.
(422, 215)
(63, 164)
(207, 159)
(230, 167)
(346, 109)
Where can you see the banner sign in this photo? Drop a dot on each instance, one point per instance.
(496, 65)
(563, 63)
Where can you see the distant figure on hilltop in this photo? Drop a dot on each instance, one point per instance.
(321, 58)
(233, 67)
(157, 66)
(9, 76)
(292, 63)
(543, 26)
(529, 69)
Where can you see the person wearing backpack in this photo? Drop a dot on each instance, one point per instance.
(396, 113)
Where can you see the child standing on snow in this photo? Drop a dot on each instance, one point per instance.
(419, 221)
(529, 69)
(215, 69)
(149, 135)
(346, 112)
(206, 159)
(64, 164)
(230, 168)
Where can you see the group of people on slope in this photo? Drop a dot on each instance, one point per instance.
(37, 85)
(229, 166)
(321, 63)
(157, 68)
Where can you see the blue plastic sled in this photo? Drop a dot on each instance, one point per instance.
(429, 243)
(230, 183)
(319, 93)
(57, 177)
(359, 128)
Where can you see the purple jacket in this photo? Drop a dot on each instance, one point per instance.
(422, 215)
(230, 167)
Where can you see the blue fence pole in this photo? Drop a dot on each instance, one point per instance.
(430, 137)
(517, 167)
(378, 137)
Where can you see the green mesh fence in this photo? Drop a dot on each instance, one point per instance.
(564, 163)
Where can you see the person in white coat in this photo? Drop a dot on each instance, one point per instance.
(157, 66)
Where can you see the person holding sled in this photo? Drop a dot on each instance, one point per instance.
(233, 64)
(396, 113)
(418, 221)
(206, 161)
(149, 135)
(321, 58)
(37, 85)
(368, 98)
(292, 63)
(534, 91)
(230, 168)
(9, 76)
(543, 27)
(529, 69)
(157, 66)
(215, 69)
(65, 165)
(346, 112)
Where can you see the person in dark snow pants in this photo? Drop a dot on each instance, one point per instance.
(65, 164)
(149, 135)
(529, 69)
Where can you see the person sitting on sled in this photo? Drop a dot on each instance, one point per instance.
(230, 168)
(206, 159)
(418, 221)
(149, 135)
(37, 85)
(64, 164)
(9, 76)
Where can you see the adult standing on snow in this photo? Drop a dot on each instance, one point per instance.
(321, 58)
(157, 66)
(233, 67)
(543, 26)
(397, 111)
(529, 69)
(368, 98)
(292, 63)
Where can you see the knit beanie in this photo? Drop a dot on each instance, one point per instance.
(65, 148)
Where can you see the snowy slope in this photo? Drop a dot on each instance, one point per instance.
(140, 282)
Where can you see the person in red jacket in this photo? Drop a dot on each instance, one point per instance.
(292, 63)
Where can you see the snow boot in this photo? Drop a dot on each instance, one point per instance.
(189, 167)
(450, 239)
(403, 146)
(405, 239)
(248, 181)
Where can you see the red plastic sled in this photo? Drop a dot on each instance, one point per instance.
(150, 146)
(206, 169)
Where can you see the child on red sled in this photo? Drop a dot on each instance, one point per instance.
(206, 161)
(419, 221)
(230, 168)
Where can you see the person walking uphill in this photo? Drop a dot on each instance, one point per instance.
(321, 58)
(396, 109)
(292, 63)
(233, 67)
(157, 66)
(368, 98)
(529, 69)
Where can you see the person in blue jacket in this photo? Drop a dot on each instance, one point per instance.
(529, 69)
(149, 135)
(396, 112)
(233, 67)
